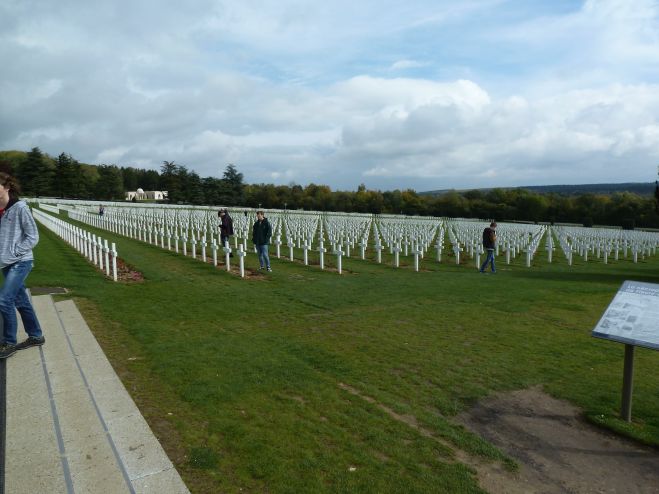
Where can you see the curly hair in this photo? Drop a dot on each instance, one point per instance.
(11, 183)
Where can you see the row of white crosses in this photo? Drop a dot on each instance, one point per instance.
(191, 226)
(180, 230)
(179, 227)
(344, 232)
(455, 244)
(188, 231)
(94, 248)
(512, 238)
(405, 236)
(299, 230)
(48, 207)
(603, 242)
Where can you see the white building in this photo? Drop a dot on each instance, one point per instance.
(146, 195)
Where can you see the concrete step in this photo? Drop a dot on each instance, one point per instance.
(71, 424)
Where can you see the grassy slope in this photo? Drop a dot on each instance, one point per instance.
(239, 378)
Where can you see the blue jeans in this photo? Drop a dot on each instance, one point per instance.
(12, 297)
(264, 258)
(488, 259)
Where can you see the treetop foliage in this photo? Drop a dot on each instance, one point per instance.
(64, 176)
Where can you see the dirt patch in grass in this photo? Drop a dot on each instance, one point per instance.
(557, 450)
(492, 476)
(127, 273)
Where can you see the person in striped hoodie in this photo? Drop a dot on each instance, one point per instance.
(18, 236)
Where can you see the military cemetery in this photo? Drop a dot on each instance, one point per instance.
(193, 232)
(365, 318)
(329, 248)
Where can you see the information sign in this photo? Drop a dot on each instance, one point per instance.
(633, 316)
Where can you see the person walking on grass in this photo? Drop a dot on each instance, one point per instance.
(261, 233)
(18, 236)
(489, 242)
(226, 227)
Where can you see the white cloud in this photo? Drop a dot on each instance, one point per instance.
(407, 64)
(513, 132)
(291, 91)
(113, 155)
(376, 94)
(603, 41)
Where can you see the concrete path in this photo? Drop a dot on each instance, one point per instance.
(71, 425)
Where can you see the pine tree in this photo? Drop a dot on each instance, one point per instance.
(233, 187)
(65, 180)
(194, 189)
(30, 170)
(110, 184)
(170, 180)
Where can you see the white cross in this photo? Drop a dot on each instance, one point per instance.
(241, 256)
(321, 253)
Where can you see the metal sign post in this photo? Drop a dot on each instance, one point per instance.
(627, 384)
(631, 318)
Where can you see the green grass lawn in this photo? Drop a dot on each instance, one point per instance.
(240, 378)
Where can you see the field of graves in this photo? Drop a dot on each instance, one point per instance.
(348, 378)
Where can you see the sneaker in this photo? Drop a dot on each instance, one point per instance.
(7, 350)
(261, 268)
(31, 341)
(270, 269)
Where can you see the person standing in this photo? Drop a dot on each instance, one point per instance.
(261, 233)
(18, 236)
(489, 242)
(226, 227)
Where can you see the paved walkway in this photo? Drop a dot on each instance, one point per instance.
(71, 425)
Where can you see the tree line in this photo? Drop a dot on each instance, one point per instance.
(65, 177)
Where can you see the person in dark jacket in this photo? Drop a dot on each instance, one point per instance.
(261, 233)
(226, 227)
(18, 236)
(489, 242)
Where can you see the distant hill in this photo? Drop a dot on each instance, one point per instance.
(640, 188)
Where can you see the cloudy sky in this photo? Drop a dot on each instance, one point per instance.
(393, 94)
